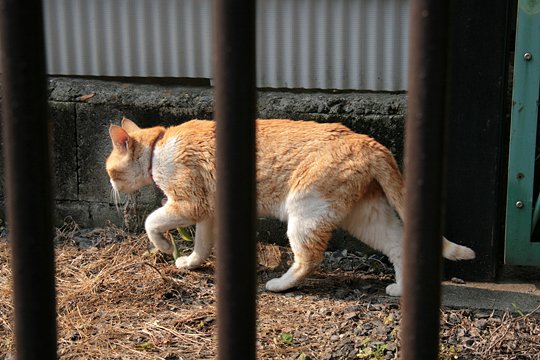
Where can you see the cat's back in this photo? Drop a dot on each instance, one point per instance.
(274, 136)
(268, 130)
(198, 131)
(295, 139)
(300, 130)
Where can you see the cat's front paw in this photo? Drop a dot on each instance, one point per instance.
(164, 246)
(187, 262)
(393, 289)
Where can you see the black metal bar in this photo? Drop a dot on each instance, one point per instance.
(424, 166)
(26, 134)
(234, 65)
(480, 51)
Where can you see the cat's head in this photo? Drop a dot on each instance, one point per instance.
(129, 163)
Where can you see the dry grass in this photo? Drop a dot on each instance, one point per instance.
(113, 302)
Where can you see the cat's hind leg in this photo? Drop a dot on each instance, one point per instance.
(309, 228)
(203, 243)
(308, 247)
(375, 223)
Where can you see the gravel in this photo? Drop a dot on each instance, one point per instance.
(115, 300)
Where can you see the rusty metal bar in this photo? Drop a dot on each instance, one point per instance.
(234, 68)
(424, 166)
(26, 135)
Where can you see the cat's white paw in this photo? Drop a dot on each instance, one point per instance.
(164, 246)
(277, 285)
(393, 289)
(187, 262)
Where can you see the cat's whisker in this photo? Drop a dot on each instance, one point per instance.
(111, 196)
(130, 198)
(115, 195)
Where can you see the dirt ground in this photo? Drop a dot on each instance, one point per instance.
(115, 300)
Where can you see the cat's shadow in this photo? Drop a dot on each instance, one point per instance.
(337, 285)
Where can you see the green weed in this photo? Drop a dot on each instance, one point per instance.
(372, 351)
(286, 338)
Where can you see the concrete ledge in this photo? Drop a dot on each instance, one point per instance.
(512, 296)
(83, 109)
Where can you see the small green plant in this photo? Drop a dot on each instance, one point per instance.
(175, 253)
(394, 332)
(302, 356)
(449, 352)
(145, 346)
(517, 310)
(184, 235)
(286, 338)
(372, 351)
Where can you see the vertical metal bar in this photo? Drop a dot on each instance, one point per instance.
(479, 58)
(424, 166)
(234, 65)
(26, 133)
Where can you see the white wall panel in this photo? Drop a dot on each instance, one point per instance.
(314, 44)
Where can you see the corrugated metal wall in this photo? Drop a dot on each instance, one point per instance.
(324, 44)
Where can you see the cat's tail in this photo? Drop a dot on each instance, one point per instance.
(389, 178)
(391, 181)
(453, 251)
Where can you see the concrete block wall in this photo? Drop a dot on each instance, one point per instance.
(83, 109)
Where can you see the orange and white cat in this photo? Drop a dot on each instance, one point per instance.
(317, 177)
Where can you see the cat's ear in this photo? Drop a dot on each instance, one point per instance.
(119, 137)
(129, 125)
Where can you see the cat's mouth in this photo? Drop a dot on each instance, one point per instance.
(123, 187)
(118, 188)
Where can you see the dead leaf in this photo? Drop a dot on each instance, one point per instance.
(86, 97)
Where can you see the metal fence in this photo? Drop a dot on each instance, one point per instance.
(26, 136)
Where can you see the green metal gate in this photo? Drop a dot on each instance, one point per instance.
(523, 200)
